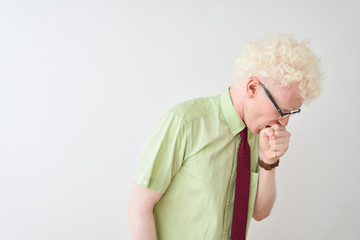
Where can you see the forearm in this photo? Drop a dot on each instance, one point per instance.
(142, 225)
(140, 213)
(266, 194)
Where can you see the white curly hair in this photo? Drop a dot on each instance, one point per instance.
(280, 59)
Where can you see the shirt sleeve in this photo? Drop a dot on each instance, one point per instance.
(163, 154)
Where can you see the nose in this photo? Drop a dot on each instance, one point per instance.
(284, 121)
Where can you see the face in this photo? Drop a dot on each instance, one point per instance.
(260, 112)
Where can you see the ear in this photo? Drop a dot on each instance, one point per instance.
(252, 87)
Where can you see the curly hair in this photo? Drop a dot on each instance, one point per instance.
(280, 59)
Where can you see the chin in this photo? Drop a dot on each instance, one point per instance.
(257, 131)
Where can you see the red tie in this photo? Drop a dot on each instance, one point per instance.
(238, 229)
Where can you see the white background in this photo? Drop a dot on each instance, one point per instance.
(83, 82)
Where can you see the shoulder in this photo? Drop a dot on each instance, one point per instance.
(195, 108)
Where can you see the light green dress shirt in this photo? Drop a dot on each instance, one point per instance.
(190, 156)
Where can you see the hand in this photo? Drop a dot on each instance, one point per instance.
(274, 142)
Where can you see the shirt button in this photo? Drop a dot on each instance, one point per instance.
(224, 233)
(145, 181)
(228, 204)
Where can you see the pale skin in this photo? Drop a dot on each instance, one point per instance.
(260, 116)
(140, 213)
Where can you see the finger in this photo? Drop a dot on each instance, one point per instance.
(282, 147)
(269, 132)
(277, 154)
(281, 140)
(282, 134)
(278, 127)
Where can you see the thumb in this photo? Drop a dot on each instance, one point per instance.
(268, 133)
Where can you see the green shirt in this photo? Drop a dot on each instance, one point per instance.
(190, 156)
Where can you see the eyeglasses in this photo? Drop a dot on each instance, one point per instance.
(282, 115)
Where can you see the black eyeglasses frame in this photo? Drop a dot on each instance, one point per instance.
(282, 114)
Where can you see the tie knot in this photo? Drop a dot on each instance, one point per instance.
(243, 133)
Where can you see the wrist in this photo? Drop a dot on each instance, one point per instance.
(266, 158)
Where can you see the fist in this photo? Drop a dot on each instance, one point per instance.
(274, 142)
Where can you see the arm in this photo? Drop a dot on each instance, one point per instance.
(266, 194)
(140, 213)
(274, 142)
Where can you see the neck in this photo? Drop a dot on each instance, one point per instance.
(237, 94)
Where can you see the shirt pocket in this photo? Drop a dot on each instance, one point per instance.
(254, 177)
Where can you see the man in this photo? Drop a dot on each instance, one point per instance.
(185, 185)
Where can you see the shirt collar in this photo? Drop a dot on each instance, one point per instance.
(232, 119)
